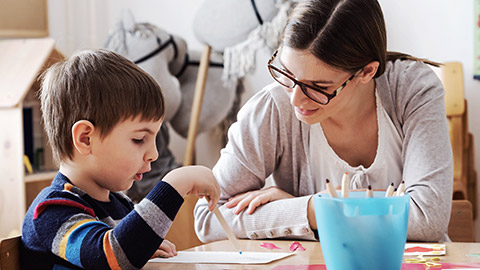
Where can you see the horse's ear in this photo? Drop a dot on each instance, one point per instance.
(128, 21)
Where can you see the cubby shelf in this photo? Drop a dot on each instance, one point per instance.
(23, 60)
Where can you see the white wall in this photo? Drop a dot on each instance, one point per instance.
(441, 30)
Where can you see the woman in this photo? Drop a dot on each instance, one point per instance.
(340, 103)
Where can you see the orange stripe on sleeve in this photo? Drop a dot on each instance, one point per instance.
(107, 248)
(63, 243)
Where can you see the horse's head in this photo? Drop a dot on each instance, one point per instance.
(240, 28)
(154, 50)
(225, 23)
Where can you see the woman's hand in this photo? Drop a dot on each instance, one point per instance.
(254, 199)
(166, 250)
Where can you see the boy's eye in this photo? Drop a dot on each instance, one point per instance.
(138, 141)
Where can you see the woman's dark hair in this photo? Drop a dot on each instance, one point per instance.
(345, 34)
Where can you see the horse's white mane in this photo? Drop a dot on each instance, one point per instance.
(117, 38)
(239, 59)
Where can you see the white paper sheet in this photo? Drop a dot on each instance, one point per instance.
(224, 257)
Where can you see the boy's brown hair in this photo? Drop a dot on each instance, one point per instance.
(100, 86)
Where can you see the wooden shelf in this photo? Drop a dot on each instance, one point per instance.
(23, 60)
(39, 177)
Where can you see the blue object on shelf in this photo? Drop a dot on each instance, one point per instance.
(28, 134)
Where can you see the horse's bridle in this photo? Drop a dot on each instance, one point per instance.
(159, 49)
(175, 48)
(259, 18)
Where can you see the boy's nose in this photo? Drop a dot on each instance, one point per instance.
(151, 155)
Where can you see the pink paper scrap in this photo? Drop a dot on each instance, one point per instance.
(269, 246)
(296, 246)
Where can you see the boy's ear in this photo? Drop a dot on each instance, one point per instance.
(369, 71)
(82, 131)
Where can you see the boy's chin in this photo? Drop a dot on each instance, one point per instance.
(129, 186)
(125, 187)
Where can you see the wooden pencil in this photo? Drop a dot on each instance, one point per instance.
(227, 229)
(345, 185)
(331, 190)
(390, 190)
(369, 192)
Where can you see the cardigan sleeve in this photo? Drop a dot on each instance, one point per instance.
(417, 107)
(259, 145)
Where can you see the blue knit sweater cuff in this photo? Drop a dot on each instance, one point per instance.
(166, 197)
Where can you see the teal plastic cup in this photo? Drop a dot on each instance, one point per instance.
(362, 233)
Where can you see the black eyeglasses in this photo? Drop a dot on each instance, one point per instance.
(315, 93)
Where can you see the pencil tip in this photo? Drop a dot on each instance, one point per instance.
(328, 181)
(392, 184)
(240, 253)
(369, 187)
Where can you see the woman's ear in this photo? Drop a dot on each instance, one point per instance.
(82, 131)
(368, 72)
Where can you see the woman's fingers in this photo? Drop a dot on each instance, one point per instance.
(245, 201)
(256, 202)
(232, 202)
(253, 199)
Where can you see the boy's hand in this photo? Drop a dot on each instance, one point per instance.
(166, 250)
(196, 180)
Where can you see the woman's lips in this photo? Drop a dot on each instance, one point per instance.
(305, 112)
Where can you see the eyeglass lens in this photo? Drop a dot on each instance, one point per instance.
(288, 82)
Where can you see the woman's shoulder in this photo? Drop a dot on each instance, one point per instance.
(271, 99)
(407, 85)
(272, 93)
(408, 73)
(404, 79)
(269, 112)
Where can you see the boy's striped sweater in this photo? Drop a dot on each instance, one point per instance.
(64, 226)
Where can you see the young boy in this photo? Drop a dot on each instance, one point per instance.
(102, 113)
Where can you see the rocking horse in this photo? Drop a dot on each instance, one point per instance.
(165, 57)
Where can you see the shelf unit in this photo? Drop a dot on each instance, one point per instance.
(23, 60)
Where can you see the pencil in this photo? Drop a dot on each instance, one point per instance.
(331, 190)
(227, 230)
(400, 189)
(389, 191)
(345, 185)
(369, 192)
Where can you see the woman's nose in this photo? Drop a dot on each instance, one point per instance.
(297, 97)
